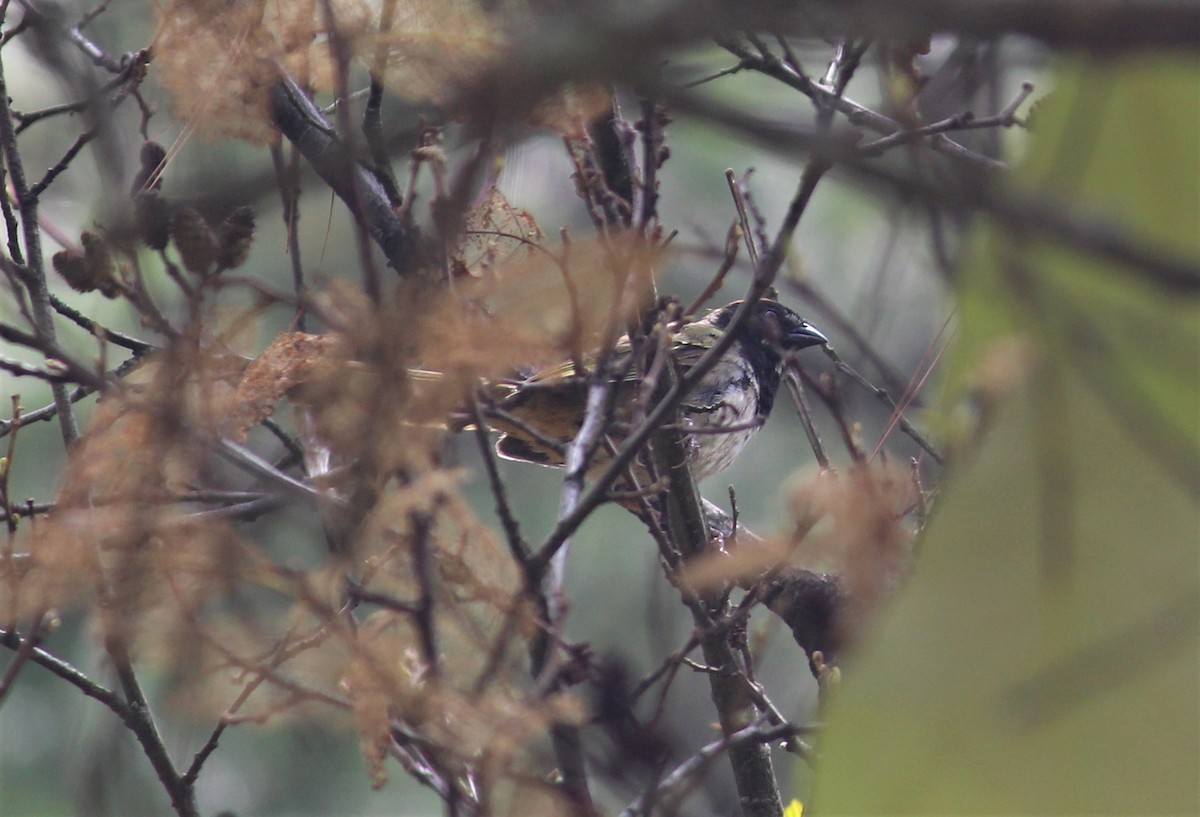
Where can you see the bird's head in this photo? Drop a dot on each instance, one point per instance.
(770, 328)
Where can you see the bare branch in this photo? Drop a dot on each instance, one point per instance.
(1101, 25)
(302, 123)
(675, 787)
(38, 290)
(14, 641)
(1006, 118)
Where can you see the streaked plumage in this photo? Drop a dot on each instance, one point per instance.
(737, 394)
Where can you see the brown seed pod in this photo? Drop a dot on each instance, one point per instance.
(151, 157)
(98, 260)
(94, 269)
(72, 268)
(194, 239)
(153, 215)
(236, 237)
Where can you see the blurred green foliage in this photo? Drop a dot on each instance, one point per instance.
(1045, 657)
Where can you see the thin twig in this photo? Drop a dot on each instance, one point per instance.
(49, 411)
(517, 545)
(38, 290)
(732, 240)
(20, 369)
(724, 72)
(62, 164)
(96, 54)
(339, 51)
(249, 461)
(77, 372)
(668, 667)
(138, 347)
(796, 386)
(10, 516)
(25, 120)
(964, 121)
(421, 548)
(652, 159)
(676, 786)
(289, 195)
(508, 418)
(578, 454)
(14, 641)
(301, 122)
(743, 211)
(858, 115)
(882, 395)
(361, 595)
(372, 125)
(831, 395)
(141, 724)
(24, 652)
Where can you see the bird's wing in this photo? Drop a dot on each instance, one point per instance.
(553, 400)
(691, 342)
(688, 344)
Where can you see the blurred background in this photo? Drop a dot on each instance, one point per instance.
(865, 257)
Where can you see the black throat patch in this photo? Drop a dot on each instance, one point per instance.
(765, 362)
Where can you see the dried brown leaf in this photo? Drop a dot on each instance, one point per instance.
(747, 561)
(522, 317)
(435, 48)
(497, 724)
(856, 524)
(289, 361)
(145, 446)
(495, 232)
(572, 109)
(858, 521)
(219, 60)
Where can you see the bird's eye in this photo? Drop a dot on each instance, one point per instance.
(771, 328)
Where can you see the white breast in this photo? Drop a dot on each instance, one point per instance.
(734, 406)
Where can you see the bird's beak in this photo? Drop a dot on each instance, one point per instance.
(803, 337)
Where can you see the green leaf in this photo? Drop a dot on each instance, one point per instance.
(1045, 657)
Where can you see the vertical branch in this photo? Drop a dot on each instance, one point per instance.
(372, 121)
(35, 281)
(687, 530)
(517, 546)
(611, 152)
(544, 583)
(423, 565)
(10, 518)
(289, 194)
(341, 61)
(568, 747)
(683, 513)
(653, 155)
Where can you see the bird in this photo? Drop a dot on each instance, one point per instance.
(540, 414)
